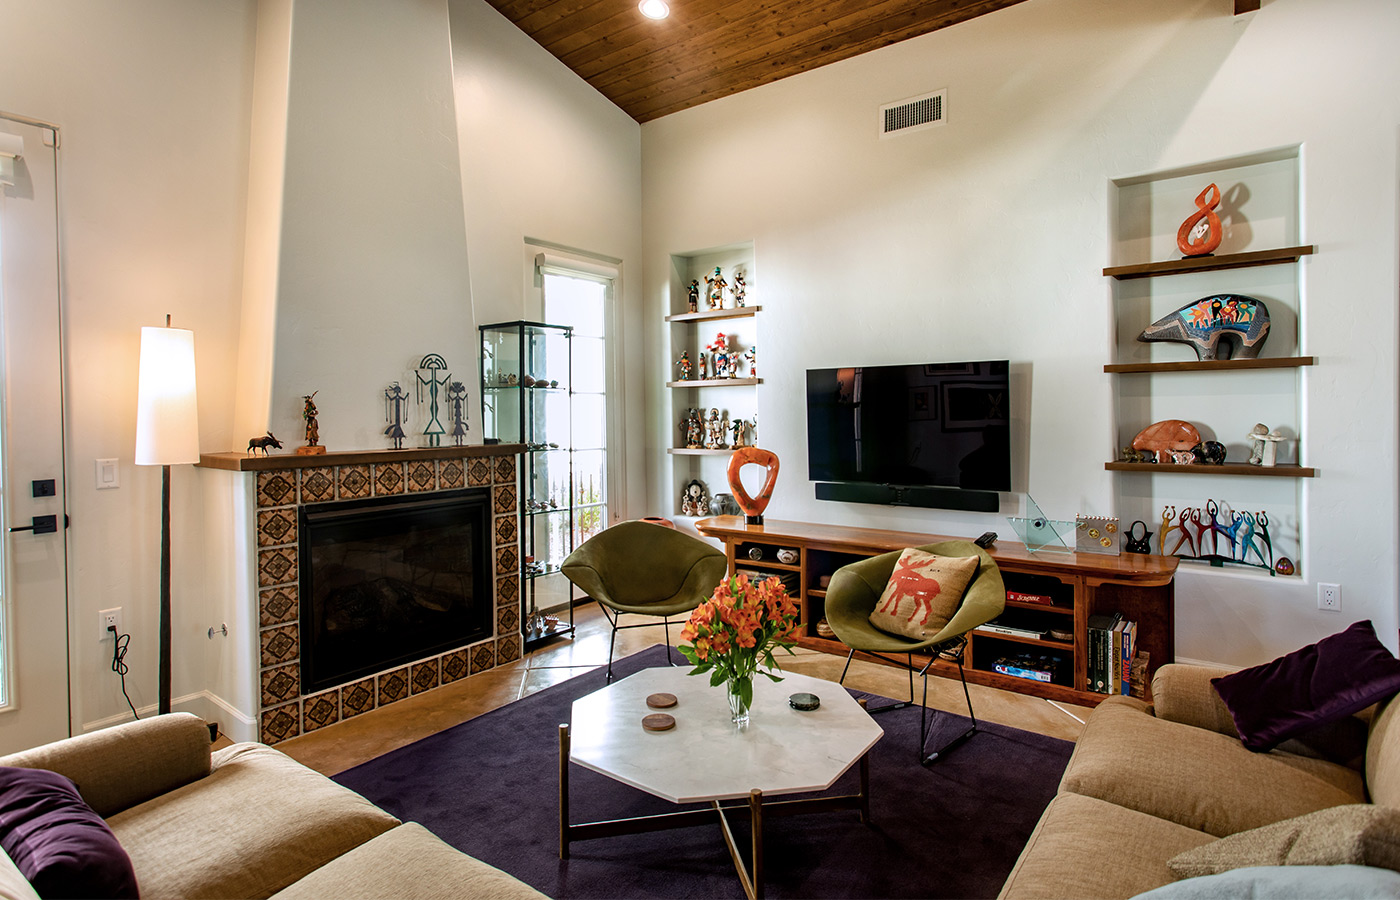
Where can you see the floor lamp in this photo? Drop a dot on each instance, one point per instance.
(167, 433)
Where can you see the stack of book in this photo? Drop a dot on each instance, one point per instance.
(1112, 645)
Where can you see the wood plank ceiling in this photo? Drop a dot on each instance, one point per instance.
(709, 49)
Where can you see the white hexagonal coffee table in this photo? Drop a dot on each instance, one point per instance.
(705, 758)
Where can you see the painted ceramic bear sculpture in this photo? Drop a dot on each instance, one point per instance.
(1205, 323)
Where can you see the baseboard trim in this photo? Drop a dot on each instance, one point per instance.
(235, 725)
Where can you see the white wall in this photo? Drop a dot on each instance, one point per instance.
(985, 238)
(152, 97)
(373, 258)
(545, 156)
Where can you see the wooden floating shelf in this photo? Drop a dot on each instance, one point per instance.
(1212, 365)
(704, 315)
(714, 382)
(1210, 263)
(686, 451)
(1227, 469)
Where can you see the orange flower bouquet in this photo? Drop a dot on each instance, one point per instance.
(736, 630)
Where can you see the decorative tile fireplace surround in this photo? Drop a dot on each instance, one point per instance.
(286, 483)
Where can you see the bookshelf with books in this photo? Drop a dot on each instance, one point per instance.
(1039, 645)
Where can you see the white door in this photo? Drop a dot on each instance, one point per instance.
(34, 695)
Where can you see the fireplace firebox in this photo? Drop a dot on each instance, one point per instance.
(391, 580)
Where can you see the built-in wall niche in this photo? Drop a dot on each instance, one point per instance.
(1260, 256)
(691, 334)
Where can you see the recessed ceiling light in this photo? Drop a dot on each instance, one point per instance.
(654, 9)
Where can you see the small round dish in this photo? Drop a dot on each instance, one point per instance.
(804, 702)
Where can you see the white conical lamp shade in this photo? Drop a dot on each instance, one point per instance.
(167, 416)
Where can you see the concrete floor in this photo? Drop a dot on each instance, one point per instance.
(349, 743)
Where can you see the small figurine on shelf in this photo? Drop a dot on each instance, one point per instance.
(394, 399)
(714, 294)
(704, 367)
(683, 365)
(720, 348)
(751, 356)
(739, 289)
(695, 500)
(693, 300)
(1256, 443)
(737, 427)
(313, 428)
(714, 431)
(694, 430)
(457, 406)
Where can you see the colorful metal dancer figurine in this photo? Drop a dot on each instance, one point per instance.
(394, 399)
(432, 364)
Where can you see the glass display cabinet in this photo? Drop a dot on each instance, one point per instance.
(527, 398)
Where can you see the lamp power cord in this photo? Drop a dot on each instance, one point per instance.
(119, 647)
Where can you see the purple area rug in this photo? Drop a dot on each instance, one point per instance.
(490, 788)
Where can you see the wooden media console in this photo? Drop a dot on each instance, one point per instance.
(1139, 586)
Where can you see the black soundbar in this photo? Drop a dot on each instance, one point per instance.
(893, 495)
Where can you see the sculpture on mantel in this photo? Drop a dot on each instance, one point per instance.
(457, 411)
(1200, 234)
(262, 443)
(432, 364)
(394, 400)
(313, 427)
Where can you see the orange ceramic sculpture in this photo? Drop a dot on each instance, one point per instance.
(1188, 243)
(753, 507)
(1167, 438)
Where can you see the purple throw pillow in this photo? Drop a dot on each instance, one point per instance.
(1320, 683)
(57, 841)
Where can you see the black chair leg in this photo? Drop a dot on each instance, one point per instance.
(666, 624)
(889, 706)
(612, 642)
(925, 728)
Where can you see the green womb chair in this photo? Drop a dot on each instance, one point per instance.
(652, 570)
(854, 591)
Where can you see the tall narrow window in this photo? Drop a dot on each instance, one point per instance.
(581, 300)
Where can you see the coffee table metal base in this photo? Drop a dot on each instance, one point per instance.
(751, 874)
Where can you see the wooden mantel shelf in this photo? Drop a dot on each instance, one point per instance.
(235, 461)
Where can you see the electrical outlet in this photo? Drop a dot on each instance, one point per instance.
(1329, 597)
(111, 618)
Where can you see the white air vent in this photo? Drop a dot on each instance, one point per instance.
(913, 114)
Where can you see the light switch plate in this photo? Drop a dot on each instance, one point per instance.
(108, 475)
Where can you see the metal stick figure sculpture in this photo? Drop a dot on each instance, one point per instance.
(433, 364)
(457, 406)
(394, 399)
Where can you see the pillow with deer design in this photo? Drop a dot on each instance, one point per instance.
(923, 593)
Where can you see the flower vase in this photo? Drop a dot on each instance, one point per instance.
(738, 706)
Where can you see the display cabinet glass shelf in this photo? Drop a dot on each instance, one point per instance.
(527, 398)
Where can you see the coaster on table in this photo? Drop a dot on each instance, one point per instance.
(658, 722)
(661, 701)
(804, 701)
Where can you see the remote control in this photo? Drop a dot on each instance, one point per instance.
(986, 540)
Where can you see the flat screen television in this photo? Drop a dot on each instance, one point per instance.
(916, 427)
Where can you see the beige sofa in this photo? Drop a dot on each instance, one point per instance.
(247, 821)
(1144, 785)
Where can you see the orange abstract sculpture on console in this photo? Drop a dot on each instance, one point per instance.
(1199, 235)
(753, 507)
